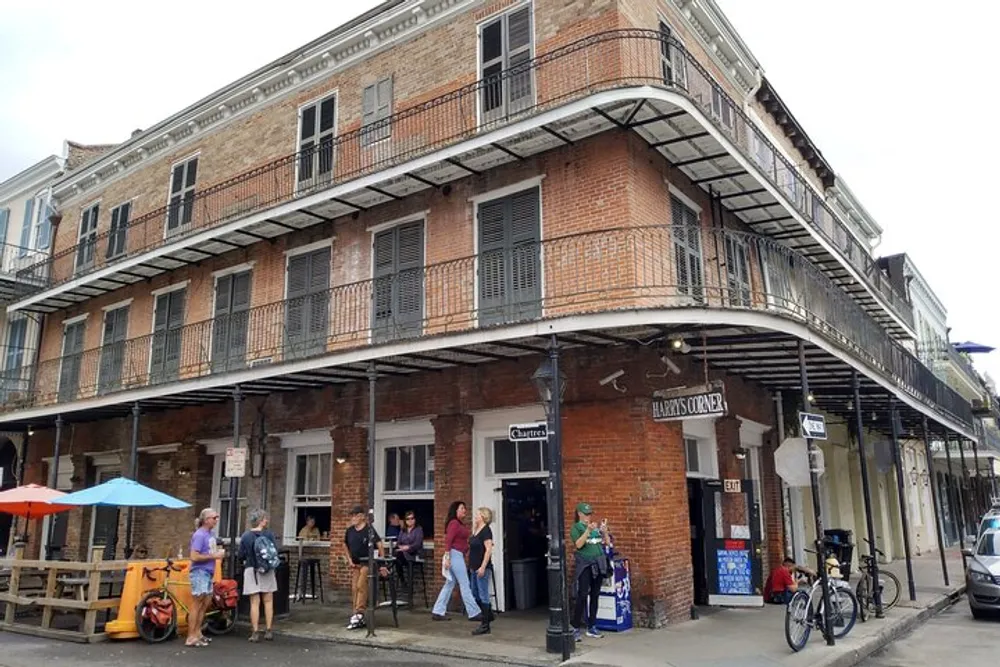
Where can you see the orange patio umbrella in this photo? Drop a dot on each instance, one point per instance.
(31, 501)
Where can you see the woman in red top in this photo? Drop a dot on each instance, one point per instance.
(456, 546)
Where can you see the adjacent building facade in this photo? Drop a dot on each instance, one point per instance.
(435, 198)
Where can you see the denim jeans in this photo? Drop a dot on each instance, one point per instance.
(480, 586)
(784, 597)
(460, 576)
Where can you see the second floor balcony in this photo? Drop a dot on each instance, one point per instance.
(636, 80)
(741, 281)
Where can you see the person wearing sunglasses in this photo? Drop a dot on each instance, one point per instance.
(409, 545)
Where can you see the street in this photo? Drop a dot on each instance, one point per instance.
(951, 637)
(233, 651)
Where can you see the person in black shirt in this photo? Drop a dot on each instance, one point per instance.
(480, 556)
(356, 544)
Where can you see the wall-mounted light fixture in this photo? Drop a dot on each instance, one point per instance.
(740, 453)
(184, 471)
(341, 458)
(810, 397)
(679, 344)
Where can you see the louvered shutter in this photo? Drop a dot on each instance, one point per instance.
(525, 292)
(384, 109)
(319, 299)
(176, 189)
(520, 91)
(175, 333)
(493, 274)
(295, 303)
(4, 223)
(240, 318)
(221, 325)
(694, 256)
(327, 113)
(158, 350)
(369, 106)
(44, 229)
(384, 252)
(69, 372)
(409, 284)
(113, 349)
(29, 210)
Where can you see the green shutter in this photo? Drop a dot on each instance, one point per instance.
(509, 258)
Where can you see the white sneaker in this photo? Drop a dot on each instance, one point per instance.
(355, 622)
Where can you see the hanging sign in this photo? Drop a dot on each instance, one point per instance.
(527, 432)
(236, 462)
(813, 425)
(705, 401)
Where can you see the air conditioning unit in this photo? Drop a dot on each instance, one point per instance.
(263, 361)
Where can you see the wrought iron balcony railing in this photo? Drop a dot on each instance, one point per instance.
(624, 269)
(17, 373)
(601, 62)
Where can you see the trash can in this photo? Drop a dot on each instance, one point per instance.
(281, 597)
(839, 543)
(525, 574)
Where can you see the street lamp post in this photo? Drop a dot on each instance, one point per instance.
(551, 385)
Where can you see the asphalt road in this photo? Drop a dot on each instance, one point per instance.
(233, 651)
(951, 638)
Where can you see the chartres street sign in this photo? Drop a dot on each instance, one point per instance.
(526, 432)
(813, 426)
(710, 403)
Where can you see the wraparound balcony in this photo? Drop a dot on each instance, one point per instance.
(743, 310)
(14, 259)
(627, 79)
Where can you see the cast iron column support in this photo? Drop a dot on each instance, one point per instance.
(932, 482)
(21, 465)
(234, 487)
(867, 495)
(977, 488)
(813, 450)
(901, 493)
(372, 566)
(966, 480)
(53, 481)
(956, 495)
(133, 474)
(558, 638)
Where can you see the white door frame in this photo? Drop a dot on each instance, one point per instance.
(100, 470)
(487, 489)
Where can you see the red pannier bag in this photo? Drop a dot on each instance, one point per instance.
(225, 594)
(159, 611)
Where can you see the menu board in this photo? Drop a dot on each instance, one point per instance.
(734, 572)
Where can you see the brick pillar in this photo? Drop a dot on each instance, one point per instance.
(79, 520)
(350, 487)
(452, 481)
(774, 522)
(734, 505)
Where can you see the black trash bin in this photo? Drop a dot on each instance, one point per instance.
(281, 601)
(840, 544)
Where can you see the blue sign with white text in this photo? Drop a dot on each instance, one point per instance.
(735, 573)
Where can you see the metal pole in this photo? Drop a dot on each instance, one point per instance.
(962, 485)
(53, 481)
(133, 474)
(558, 530)
(786, 498)
(977, 488)
(21, 466)
(817, 511)
(867, 495)
(956, 499)
(901, 492)
(234, 486)
(932, 482)
(993, 478)
(372, 566)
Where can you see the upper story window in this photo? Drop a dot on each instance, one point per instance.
(505, 55)
(376, 111)
(317, 130)
(113, 349)
(42, 228)
(4, 224)
(399, 281)
(180, 208)
(17, 332)
(307, 304)
(722, 107)
(672, 61)
(168, 323)
(119, 228)
(737, 271)
(232, 317)
(87, 240)
(687, 250)
(509, 257)
(72, 360)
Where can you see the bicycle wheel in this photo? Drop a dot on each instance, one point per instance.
(219, 622)
(798, 622)
(890, 588)
(865, 603)
(152, 632)
(843, 610)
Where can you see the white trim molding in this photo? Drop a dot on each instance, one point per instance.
(687, 201)
(309, 247)
(216, 446)
(75, 319)
(490, 195)
(176, 287)
(382, 226)
(118, 304)
(236, 268)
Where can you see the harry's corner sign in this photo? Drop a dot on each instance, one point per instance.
(709, 402)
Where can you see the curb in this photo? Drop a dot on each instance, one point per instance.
(893, 632)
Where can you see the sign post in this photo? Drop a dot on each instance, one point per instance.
(236, 462)
(537, 431)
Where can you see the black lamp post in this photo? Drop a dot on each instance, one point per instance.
(551, 385)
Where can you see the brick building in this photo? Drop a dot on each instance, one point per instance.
(438, 190)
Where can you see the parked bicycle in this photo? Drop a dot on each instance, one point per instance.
(805, 610)
(156, 613)
(888, 586)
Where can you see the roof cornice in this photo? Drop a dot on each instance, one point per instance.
(388, 24)
(33, 177)
(844, 196)
(722, 42)
(910, 267)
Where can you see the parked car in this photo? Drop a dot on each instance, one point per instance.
(990, 521)
(982, 574)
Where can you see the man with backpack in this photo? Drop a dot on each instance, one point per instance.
(259, 551)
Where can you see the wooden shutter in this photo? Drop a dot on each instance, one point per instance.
(384, 252)
(4, 223)
(369, 105)
(319, 296)
(520, 90)
(307, 303)
(229, 331)
(113, 348)
(297, 282)
(524, 253)
(44, 227)
(240, 318)
(493, 275)
(221, 323)
(69, 372)
(119, 228)
(409, 293)
(29, 210)
(167, 335)
(156, 354)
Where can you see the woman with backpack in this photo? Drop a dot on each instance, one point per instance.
(260, 556)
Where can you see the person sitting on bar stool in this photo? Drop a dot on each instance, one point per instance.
(310, 531)
(409, 546)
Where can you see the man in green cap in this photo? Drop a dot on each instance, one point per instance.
(591, 567)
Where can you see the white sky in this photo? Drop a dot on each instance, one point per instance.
(899, 100)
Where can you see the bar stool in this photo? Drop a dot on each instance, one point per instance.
(412, 566)
(308, 573)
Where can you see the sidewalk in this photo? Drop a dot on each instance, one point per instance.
(745, 637)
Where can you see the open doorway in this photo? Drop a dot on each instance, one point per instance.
(104, 520)
(696, 510)
(525, 543)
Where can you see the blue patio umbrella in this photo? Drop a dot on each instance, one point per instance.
(973, 348)
(122, 492)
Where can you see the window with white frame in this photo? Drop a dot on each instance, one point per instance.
(687, 250)
(119, 228)
(505, 64)
(223, 499)
(518, 458)
(310, 480)
(700, 452)
(408, 483)
(87, 240)
(317, 130)
(43, 228)
(671, 57)
(180, 209)
(376, 104)
(722, 107)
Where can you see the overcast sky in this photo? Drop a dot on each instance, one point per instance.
(898, 100)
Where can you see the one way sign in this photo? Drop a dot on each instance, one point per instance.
(813, 426)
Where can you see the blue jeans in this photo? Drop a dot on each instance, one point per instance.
(784, 597)
(480, 586)
(459, 575)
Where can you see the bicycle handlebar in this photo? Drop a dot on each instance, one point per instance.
(168, 568)
(877, 550)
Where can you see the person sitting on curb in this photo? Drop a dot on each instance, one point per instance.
(781, 585)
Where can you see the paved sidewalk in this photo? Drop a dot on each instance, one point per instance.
(744, 637)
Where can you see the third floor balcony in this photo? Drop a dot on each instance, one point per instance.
(633, 80)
